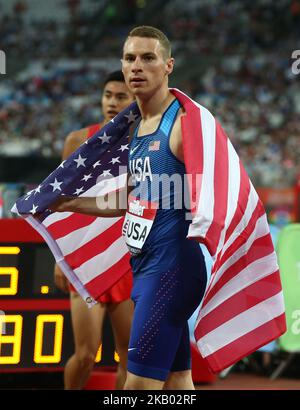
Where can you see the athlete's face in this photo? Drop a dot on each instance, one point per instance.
(145, 66)
(116, 97)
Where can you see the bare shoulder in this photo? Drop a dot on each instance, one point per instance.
(176, 136)
(177, 124)
(77, 137)
(74, 140)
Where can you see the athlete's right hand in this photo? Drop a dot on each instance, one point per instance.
(60, 280)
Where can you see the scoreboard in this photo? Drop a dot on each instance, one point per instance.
(35, 322)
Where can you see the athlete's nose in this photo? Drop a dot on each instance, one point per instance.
(136, 66)
(112, 102)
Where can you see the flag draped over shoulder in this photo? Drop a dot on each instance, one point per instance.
(89, 250)
(243, 305)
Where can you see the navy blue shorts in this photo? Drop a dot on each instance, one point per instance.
(164, 301)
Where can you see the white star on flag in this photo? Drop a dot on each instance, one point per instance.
(78, 191)
(86, 177)
(96, 164)
(56, 185)
(80, 161)
(106, 173)
(62, 164)
(28, 194)
(123, 147)
(38, 189)
(130, 117)
(34, 208)
(104, 138)
(115, 160)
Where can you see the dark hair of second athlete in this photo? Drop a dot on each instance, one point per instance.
(114, 76)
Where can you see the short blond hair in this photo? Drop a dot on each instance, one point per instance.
(153, 32)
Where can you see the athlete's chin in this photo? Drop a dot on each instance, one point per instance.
(138, 87)
(140, 91)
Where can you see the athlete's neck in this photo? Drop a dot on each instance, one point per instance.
(155, 104)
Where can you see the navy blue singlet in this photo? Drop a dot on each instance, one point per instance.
(169, 270)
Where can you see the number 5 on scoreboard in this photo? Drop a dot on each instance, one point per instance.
(10, 271)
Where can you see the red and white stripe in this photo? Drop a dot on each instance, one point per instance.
(88, 248)
(243, 305)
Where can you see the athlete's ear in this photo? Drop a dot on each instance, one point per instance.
(170, 65)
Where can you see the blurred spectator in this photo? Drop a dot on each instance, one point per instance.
(233, 57)
(73, 6)
(20, 7)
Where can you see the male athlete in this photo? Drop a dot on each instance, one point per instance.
(169, 270)
(87, 323)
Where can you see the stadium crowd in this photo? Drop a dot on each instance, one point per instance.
(232, 57)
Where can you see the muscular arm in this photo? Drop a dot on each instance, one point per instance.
(176, 139)
(73, 141)
(107, 206)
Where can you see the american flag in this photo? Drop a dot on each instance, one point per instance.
(89, 250)
(243, 305)
(154, 146)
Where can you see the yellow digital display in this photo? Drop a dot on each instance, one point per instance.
(14, 339)
(9, 250)
(35, 322)
(12, 289)
(99, 355)
(39, 357)
(116, 357)
(44, 290)
(12, 272)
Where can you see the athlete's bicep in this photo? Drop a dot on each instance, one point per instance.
(176, 140)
